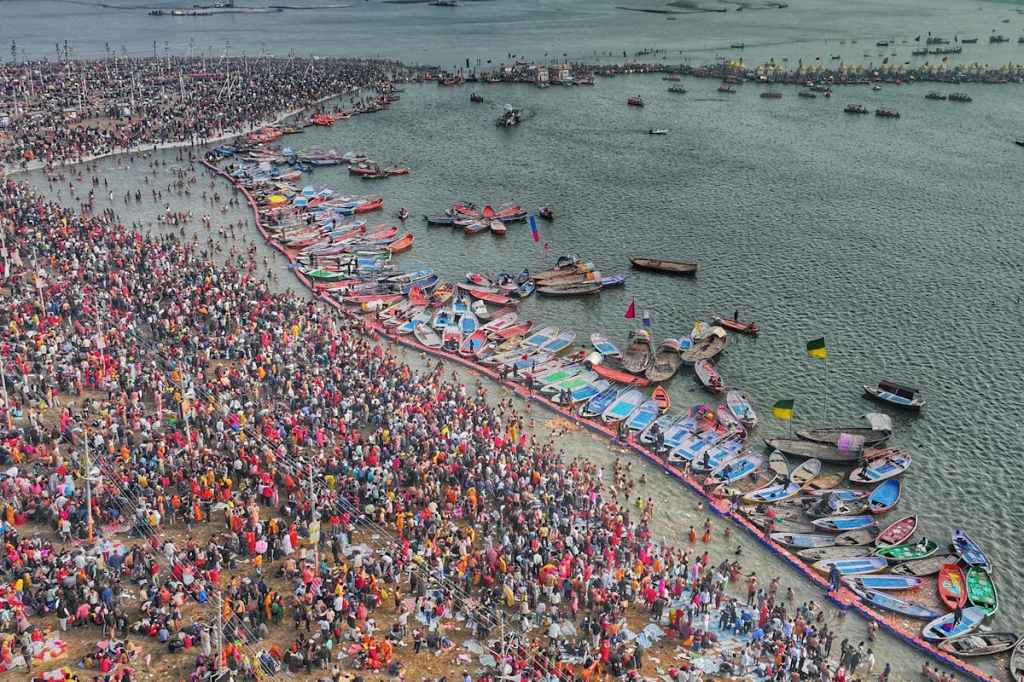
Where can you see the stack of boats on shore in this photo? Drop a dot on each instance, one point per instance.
(823, 493)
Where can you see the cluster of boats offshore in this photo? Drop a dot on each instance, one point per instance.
(820, 493)
(473, 220)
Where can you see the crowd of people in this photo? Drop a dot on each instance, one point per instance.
(257, 463)
(63, 110)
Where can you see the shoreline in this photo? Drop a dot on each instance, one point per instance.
(843, 599)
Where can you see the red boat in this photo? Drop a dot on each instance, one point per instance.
(364, 169)
(462, 209)
(660, 396)
(372, 205)
(486, 295)
(952, 586)
(621, 376)
(514, 330)
(748, 328)
(488, 212)
(898, 532)
(635, 101)
(417, 297)
(403, 243)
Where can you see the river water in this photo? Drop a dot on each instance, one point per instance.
(894, 239)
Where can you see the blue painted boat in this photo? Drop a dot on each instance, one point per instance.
(664, 423)
(942, 628)
(605, 347)
(694, 443)
(571, 384)
(886, 581)
(719, 452)
(589, 391)
(896, 605)
(613, 281)
(736, 468)
(882, 469)
(855, 566)
(600, 402)
(969, 551)
(562, 341)
(525, 289)
(683, 428)
(468, 323)
(773, 493)
(460, 306)
(643, 416)
(532, 360)
(885, 496)
(539, 338)
(842, 524)
(623, 406)
(441, 320)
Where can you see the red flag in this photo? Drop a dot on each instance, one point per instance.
(631, 310)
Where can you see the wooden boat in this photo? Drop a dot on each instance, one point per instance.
(808, 449)
(638, 355)
(823, 553)
(426, 335)
(563, 265)
(740, 407)
(942, 628)
(885, 582)
(969, 551)
(850, 566)
(480, 280)
(497, 228)
(1017, 658)
(898, 532)
(842, 524)
(622, 406)
(981, 591)
(804, 540)
(980, 644)
(479, 309)
(831, 436)
(881, 469)
(747, 328)
(952, 585)
(520, 329)
(620, 376)
(909, 551)
(923, 567)
(864, 536)
(500, 322)
(896, 394)
(772, 494)
(661, 397)
(403, 243)
(841, 495)
(897, 605)
(605, 347)
(777, 463)
(488, 295)
(665, 362)
(707, 347)
(805, 472)
(672, 267)
(885, 496)
(708, 376)
(582, 289)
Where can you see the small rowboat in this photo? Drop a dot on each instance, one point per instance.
(885, 582)
(1017, 658)
(842, 524)
(708, 376)
(864, 536)
(736, 469)
(881, 469)
(909, 552)
(805, 540)
(980, 644)
(898, 532)
(803, 448)
(981, 591)
(479, 279)
(885, 496)
(823, 553)
(969, 551)
(623, 406)
(896, 605)
(672, 267)
(843, 495)
(473, 342)
(952, 585)
(739, 405)
(660, 425)
(600, 402)
(638, 355)
(924, 567)
(588, 391)
(426, 335)
(605, 347)
(942, 629)
(895, 394)
(665, 362)
(497, 228)
(805, 473)
(850, 566)
(777, 463)
(581, 289)
(539, 338)
(643, 416)
(832, 436)
(772, 494)
(660, 396)
(748, 328)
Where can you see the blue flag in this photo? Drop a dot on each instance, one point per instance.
(534, 232)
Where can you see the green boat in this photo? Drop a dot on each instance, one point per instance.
(981, 591)
(909, 551)
(325, 275)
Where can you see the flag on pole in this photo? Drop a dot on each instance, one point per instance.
(816, 349)
(631, 310)
(783, 409)
(647, 319)
(534, 232)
